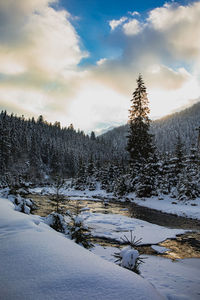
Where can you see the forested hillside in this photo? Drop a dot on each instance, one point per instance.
(35, 151)
(38, 152)
(166, 131)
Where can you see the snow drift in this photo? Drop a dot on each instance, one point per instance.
(40, 263)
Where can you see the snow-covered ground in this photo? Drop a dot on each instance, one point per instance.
(34, 258)
(176, 280)
(40, 263)
(189, 209)
(114, 227)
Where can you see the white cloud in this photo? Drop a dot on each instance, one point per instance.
(133, 27)
(115, 23)
(39, 54)
(180, 25)
(134, 13)
(167, 78)
(165, 48)
(101, 61)
(46, 41)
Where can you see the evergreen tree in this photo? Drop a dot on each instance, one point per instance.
(140, 146)
(92, 136)
(179, 157)
(188, 187)
(139, 143)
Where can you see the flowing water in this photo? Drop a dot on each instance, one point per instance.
(183, 246)
(174, 273)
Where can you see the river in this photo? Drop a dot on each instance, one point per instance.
(158, 267)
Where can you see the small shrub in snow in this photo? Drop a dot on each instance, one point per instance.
(21, 204)
(129, 257)
(78, 231)
(58, 198)
(56, 221)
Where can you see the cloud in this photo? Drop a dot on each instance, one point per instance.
(165, 48)
(115, 23)
(167, 41)
(39, 54)
(44, 39)
(132, 27)
(134, 13)
(101, 61)
(181, 27)
(14, 15)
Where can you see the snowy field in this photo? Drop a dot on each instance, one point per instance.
(40, 263)
(44, 262)
(189, 209)
(176, 280)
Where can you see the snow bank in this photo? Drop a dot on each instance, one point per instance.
(175, 280)
(187, 209)
(39, 263)
(113, 226)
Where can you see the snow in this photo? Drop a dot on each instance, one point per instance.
(175, 280)
(114, 227)
(159, 249)
(189, 209)
(128, 256)
(40, 263)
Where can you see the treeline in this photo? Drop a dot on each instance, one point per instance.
(36, 151)
(176, 174)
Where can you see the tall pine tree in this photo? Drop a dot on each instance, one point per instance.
(139, 143)
(140, 146)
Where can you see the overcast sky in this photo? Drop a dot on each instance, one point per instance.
(76, 61)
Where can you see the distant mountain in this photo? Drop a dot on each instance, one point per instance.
(166, 131)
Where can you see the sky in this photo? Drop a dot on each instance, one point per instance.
(77, 61)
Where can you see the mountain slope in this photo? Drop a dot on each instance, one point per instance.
(166, 131)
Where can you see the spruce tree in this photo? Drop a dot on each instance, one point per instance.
(140, 146)
(179, 157)
(139, 143)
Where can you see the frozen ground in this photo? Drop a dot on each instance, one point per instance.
(175, 280)
(40, 263)
(189, 209)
